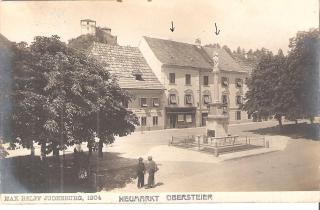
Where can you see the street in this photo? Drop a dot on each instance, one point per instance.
(296, 167)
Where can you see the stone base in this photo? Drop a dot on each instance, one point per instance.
(218, 123)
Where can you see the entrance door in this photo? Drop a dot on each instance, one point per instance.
(204, 117)
(173, 120)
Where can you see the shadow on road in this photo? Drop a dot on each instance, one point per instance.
(295, 131)
(26, 174)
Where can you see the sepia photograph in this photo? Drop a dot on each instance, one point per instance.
(159, 101)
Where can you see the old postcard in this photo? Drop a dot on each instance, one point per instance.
(149, 101)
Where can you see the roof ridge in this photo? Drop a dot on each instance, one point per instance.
(168, 40)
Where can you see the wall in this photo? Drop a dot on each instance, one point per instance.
(151, 59)
(232, 92)
(148, 111)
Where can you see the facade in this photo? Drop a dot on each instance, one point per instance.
(103, 34)
(135, 76)
(88, 26)
(185, 70)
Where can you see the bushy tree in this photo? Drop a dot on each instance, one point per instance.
(287, 86)
(303, 74)
(62, 97)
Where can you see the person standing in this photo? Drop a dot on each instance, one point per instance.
(152, 169)
(140, 172)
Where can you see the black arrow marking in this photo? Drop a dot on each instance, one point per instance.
(172, 28)
(217, 31)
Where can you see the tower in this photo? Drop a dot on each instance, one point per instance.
(88, 26)
(217, 122)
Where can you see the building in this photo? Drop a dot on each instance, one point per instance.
(185, 70)
(101, 34)
(135, 76)
(88, 26)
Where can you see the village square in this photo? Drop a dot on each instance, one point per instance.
(93, 115)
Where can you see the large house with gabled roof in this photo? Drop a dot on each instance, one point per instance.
(134, 75)
(185, 70)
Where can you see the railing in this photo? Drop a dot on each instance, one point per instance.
(218, 144)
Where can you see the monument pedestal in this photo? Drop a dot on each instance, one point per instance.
(217, 122)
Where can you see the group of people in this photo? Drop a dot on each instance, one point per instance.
(151, 168)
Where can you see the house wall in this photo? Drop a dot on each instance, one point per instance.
(151, 59)
(148, 111)
(232, 91)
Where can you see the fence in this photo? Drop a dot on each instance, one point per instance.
(218, 145)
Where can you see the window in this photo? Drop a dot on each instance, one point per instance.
(143, 121)
(155, 120)
(238, 100)
(188, 99)
(172, 78)
(138, 77)
(224, 110)
(224, 99)
(224, 81)
(238, 115)
(155, 102)
(189, 118)
(180, 118)
(249, 116)
(143, 102)
(206, 99)
(205, 80)
(238, 83)
(173, 99)
(188, 79)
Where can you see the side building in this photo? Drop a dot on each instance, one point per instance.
(185, 70)
(135, 76)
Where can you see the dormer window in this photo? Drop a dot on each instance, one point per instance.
(138, 77)
(137, 74)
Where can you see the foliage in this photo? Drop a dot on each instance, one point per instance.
(62, 97)
(288, 85)
(83, 42)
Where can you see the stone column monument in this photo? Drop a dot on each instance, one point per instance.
(217, 122)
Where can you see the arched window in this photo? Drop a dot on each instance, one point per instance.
(206, 95)
(173, 97)
(188, 97)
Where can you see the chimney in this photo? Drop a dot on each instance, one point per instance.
(198, 43)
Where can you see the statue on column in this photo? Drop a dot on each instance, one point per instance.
(215, 59)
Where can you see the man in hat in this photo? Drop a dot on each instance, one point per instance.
(140, 172)
(152, 169)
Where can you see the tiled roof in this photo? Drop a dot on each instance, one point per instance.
(124, 62)
(246, 65)
(226, 61)
(177, 53)
(189, 55)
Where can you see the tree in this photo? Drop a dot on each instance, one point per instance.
(62, 97)
(287, 86)
(83, 42)
(303, 74)
(264, 97)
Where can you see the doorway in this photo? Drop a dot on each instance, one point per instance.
(173, 120)
(204, 117)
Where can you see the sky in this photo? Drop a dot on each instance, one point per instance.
(250, 24)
